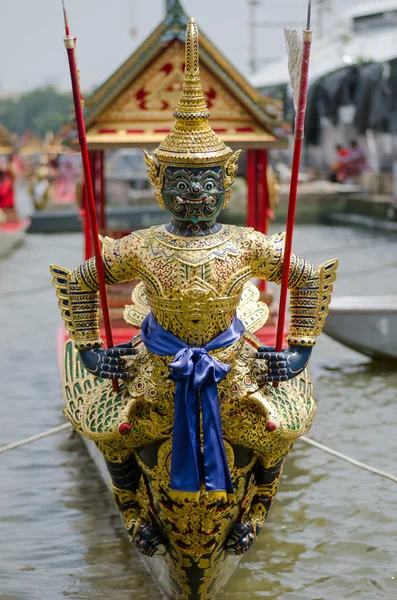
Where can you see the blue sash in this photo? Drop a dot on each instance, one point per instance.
(194, 369)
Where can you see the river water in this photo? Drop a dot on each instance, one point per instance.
(332, 532)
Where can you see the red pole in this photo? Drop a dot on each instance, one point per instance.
(260, 213)
(262, 200)
(102, 198)
(77, 99)
(91, 155)
(97, 184)
(86, 225)
(251, 184)
(299, 132)
(265, 191)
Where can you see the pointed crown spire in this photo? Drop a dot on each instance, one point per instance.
(191, 140)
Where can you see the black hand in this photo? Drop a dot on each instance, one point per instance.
(241, 539)
(148, 540)
(107, 364)
(286, 364)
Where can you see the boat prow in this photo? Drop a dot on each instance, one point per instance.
(159, 566)
(12, 234)
(367, 324)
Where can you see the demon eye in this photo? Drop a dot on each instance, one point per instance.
(181, 186)
(209, 186)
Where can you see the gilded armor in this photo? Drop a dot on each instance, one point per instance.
(187, 279)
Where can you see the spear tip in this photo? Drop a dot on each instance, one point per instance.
(65, 17)
(309, 15)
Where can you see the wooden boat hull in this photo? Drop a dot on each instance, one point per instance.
(367, 324)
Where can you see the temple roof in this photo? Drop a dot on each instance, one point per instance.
(6, 142)
(31, 145)
(134, 107)
(53, 144)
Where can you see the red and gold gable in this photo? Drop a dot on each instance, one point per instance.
(143, 112)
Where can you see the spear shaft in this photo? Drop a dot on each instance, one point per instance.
(70, 43)
(298, 139)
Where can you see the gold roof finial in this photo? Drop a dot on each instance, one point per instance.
(191, 140)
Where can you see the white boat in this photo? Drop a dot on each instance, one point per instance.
(367, 324)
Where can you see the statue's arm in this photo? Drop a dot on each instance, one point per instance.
(78, 290)
(310, 294)
(79, 302)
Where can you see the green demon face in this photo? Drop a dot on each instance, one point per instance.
(193, 194)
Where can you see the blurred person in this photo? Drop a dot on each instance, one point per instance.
(39, 188)
(65, 182)
(11, 168)
(357, 160)
(6, 190)
(337, 174)
(7, 196)
(342, 151)
(352, 165)
(53, 166)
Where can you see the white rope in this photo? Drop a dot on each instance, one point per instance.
(304, 439)
(352, 461)
(34, 438)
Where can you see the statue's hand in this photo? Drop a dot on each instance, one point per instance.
(107, 364)
(286, 364)
(241, 539)
(148, 540)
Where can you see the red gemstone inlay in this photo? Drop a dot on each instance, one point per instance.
(107, 131)
(244, 130)
(270, 426)
(124, 428)
(135, 131)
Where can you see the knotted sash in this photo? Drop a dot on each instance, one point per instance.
(194, 369)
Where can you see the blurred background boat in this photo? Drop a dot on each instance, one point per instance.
(367, 324)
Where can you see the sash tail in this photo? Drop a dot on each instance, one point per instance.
(196, 374)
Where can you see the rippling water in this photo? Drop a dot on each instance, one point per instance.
(332, 533)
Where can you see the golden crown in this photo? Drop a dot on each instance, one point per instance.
(191, 141)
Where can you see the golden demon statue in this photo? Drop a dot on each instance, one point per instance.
(195, 440)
